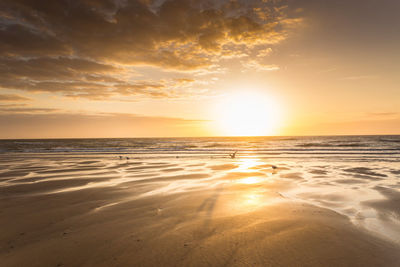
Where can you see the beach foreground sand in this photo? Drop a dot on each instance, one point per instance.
(83, 211)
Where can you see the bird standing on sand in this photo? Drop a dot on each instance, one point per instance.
(233, 155)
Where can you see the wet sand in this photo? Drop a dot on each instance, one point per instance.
(101, 211)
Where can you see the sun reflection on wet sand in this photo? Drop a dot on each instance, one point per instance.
(252, 199)
(250, 187)
(250, 180)
(246, 164)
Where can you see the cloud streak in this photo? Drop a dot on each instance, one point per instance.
(62, 124)
(12, 98)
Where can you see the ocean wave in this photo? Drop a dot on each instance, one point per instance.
(332, 144)
(390, 140)
(360, 147)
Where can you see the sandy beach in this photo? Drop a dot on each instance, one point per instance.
(99, 210)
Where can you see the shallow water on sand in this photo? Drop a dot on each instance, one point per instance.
(357, 177)
(362, 182)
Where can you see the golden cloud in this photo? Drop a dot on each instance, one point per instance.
(88, 48)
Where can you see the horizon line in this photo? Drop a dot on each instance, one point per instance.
(215, 136)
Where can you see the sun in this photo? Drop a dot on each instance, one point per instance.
(248, 113)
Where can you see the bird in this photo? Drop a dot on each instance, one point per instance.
(233, 155)
(120, 157)
(274, 167)
(127, 158)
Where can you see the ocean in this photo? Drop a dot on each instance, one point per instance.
(357, 148)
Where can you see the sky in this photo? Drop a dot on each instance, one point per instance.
(156, 68)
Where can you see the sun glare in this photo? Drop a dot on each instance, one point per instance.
(248, 114)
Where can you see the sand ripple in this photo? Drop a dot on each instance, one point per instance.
(153, 212)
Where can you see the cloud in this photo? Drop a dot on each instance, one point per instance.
(13, 98)
(17, 40)
(258, 66)
(360, 77)
(64, 125)
(75, 77)
(89, 48)
(382, 115)
(24, 110)
(264, 52)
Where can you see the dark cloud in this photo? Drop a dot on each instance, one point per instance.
(75, 77)
(84, 48)
(18, 40)
(51, 68)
